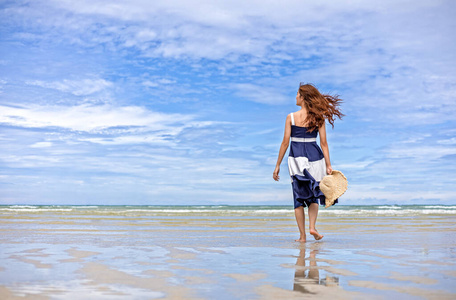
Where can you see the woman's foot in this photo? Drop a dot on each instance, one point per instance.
(315, 234)
(301, 239)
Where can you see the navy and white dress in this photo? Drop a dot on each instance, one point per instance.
(306, 165)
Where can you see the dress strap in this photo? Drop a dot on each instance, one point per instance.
(292, 119)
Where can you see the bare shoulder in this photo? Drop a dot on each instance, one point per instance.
(322, 128)
(288, 121)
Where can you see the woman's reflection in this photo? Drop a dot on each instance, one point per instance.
(310, 275)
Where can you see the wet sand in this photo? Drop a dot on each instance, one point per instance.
(93, 254)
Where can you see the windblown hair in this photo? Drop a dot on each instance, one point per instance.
(319, 106)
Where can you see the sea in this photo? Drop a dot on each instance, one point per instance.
(211, 210)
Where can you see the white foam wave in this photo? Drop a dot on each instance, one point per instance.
(204, 211)
(24, 206)
(440, 206)
(226, 211)
(35, 209)
(403, 212)
(390, 207)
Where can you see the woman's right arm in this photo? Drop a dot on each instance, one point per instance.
(283, 147)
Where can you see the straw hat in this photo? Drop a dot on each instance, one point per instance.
(333, 186)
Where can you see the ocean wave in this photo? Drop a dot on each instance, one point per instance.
(35, 209)
(390, 207)
(392, 212)
(198, 211)
(440, 206)
(224, 210)
(24, 206)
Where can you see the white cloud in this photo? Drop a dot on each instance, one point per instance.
(451, 141)
(267, 32)
(76, 87)
(261, 94)
(364, 194)
(89, 118)
(41, 145)
(149, 138)
(157, 82)
(357, 165)
(421, 152)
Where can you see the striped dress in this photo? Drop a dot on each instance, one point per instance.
(306, 165)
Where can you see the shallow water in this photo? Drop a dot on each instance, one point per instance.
(223, 252)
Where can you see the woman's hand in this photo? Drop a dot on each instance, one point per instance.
(329, 170)
(275, 175)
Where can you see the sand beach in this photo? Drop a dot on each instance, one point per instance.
(226, 252)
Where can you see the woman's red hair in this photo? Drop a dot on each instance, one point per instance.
(319, 106)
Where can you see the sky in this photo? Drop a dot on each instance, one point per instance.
(184, 102)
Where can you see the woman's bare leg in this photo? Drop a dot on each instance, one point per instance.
(301, 220)
(313, 213)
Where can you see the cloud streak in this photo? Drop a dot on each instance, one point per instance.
(76, 87)
(89, 118)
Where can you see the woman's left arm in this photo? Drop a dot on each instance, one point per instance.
(283, 147)
(325, 148)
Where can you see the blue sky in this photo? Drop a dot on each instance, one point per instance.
(184, 102)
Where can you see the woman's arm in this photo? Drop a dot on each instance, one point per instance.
(325, 148)
(283, 147)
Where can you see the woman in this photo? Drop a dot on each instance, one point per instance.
(307, 162)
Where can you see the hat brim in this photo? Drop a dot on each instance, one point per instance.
(339, 190)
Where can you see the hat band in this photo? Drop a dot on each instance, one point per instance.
(296, 139)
